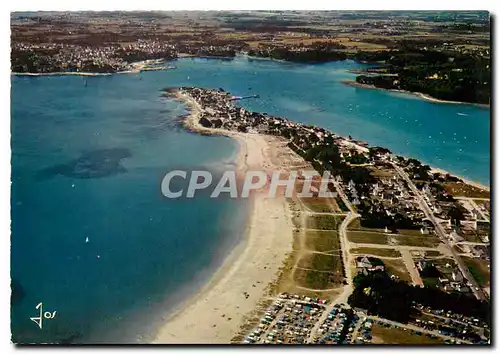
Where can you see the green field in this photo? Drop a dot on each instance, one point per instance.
(416, 241)
(341, 204)
(322, 241)
(322, 262)
(471, 237)
(479, 270)
(321, 205)
(430, 282)
(367, 237)
(379, 238)
(316, 280)
(355, 225)
(397, 335)
(381, 252)
(323, 222)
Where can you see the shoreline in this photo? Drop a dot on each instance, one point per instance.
(135, 68)
(418, 94)
(216, 313)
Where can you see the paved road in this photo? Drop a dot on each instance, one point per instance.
(410, 265)
(441, 233)
(342, 195)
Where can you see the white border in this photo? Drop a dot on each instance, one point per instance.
(97, 5)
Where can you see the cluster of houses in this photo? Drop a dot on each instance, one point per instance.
(452, 324)
(61, 57)
(386, 197)
(55, 57)
(470, 231)
(392, 196)
(450, 278)
(389, 196)
(367, 264)
(475, 216)
(219, 111)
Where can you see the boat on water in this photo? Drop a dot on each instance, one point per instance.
(87, 240)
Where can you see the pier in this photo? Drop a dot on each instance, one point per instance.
(238, 98)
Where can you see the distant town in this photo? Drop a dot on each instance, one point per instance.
(444, 55)
(413, 242)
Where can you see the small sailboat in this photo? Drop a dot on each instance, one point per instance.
(87, 240)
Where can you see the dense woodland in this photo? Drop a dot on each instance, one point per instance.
(444, 75)
(392, 299)
(314, 54)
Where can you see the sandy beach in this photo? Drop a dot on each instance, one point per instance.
(216, 313)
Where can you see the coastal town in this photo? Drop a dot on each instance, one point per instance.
(397, 224)
(102, 60)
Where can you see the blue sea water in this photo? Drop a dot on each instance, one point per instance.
(146, 253)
